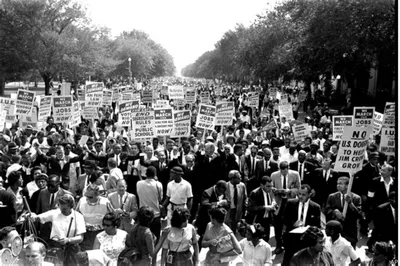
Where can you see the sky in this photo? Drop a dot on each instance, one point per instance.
(185, 28)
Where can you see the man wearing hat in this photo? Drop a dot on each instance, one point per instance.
(179, 192)
(313, 156)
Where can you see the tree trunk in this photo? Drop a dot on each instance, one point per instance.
(47, 80)
(2, 85)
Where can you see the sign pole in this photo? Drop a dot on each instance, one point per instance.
(346, 204)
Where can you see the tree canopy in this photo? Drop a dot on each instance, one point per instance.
(53, 38)
(304, 39)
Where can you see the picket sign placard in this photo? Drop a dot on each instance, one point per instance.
(161, 104)
(286, 110)
(76, 117)
(363, 116)
(107, 97)
(253, 99)
(389, 115)
(24, 102)
(352, 149)
(301, 131)
(81, 95)
(181, 124)
(339, 122)
(136, 96)
(142, 124)
(225, 112)
(176, 92)
(190, 95)
(9, 105)
(31, 120)
(206, 117)
(116, 95)
(284, 99)
(377, 123)
(94, 94)
(147, 96)
(3, 114)
(62, 109)
(44, 108)
(163, 122)
(388, 141)
(205, 97)
(90, 113)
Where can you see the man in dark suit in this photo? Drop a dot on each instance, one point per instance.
(213, 196)
(7, 210)
(264, 167)
(298, 213)
(169, 145)
(385, 217)
(251, 162)
(304, 168)
(324, 182)
(334, 210)
(262, 205)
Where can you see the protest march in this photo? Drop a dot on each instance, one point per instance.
(234, 134)
(104, 155)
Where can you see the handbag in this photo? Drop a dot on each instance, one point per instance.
(163, 211)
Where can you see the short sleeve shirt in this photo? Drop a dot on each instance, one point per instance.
(179, 193)
(60, 223)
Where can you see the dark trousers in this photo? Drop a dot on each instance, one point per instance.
(278, 223)
(155, 227)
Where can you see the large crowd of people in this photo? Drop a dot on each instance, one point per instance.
(117, 201)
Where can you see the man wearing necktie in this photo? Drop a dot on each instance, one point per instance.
(335, 206)
(324, 182)
(237, 196)
(235, 161)
(285, 185)
(262, 205)
(299, 212)
(251, 162)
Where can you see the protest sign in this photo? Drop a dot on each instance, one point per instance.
(286, 110)
(218, 91)
(124, 119)
(204, 97)
(107, 97)
(44, 108)
(94, 94)
(142, 124)
(284, 99)
(377, 125)
(253, 99)
(352, 148)
(127, 106)
(76, 117)
(65, 88)
(29, 120)
(81, 95)
(270, 126)
(90, 113)
(190, 95)
(24, 102)
(388, 142)
(176, 92)
(161, 104)
(389, 115)
(83, 140)
(126, 97)
(9, 105)
(339, 122)
(163, 122)
(147, 97)
(62, 108)
(301, 131)
(3, 114)
(179, 103)
(181, 124)
(363, 116)
(206, 116)
(139, 86)
(225, 112)
(136, 97)
(116, 95)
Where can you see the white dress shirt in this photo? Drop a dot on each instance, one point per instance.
(304, 213)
